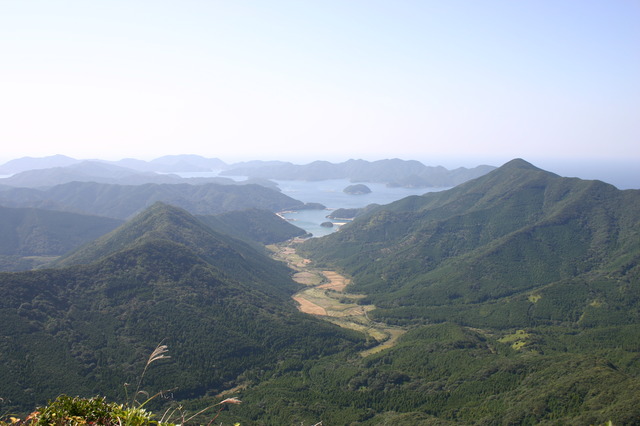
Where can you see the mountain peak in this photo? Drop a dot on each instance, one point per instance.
(158, 222)
(519, 163)
(170, 238)
(160, 208)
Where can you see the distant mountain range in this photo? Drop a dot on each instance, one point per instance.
(30, 163)
(101, 172)
(55, 170)
(166, 164)
(393, 172)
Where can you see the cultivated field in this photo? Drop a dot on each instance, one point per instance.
(326, 296)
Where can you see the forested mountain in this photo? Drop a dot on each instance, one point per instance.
(165, 222)
(32, 236)
(253, 225)
(394, 172)
(447, 374)
(123, 201)
(515, 235)
(223, 309)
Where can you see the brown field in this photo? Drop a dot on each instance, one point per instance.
(336, 281)
(330, 301)
(308, 307)
(307, 278)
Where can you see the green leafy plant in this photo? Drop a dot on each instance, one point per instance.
(66, 410)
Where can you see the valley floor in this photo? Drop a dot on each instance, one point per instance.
(325, 296)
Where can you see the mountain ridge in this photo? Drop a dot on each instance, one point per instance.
(161, 221)
(123, 201)
(459, 246)
(223, 308)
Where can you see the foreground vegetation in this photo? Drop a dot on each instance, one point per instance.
(72, 411)
(66, 410)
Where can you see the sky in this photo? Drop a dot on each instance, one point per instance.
(472, 82)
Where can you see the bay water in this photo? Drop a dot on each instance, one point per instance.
(331, 194)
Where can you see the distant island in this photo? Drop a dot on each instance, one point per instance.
(393, 172)
(358, 189)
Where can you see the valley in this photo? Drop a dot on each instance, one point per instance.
(325, 296)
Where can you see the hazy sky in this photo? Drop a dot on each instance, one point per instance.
(326, 79)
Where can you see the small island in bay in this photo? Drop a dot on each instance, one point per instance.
(327, 224)
(357, 189)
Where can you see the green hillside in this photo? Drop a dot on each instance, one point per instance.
(124, 201)
(255, 225)
(33, 236)
(450, 374)
(515, 235)
(222, 307)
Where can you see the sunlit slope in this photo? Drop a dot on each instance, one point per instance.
(547, 248)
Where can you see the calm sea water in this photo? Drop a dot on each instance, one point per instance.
(330, 193)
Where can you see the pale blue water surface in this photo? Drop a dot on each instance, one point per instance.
(330, 194)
